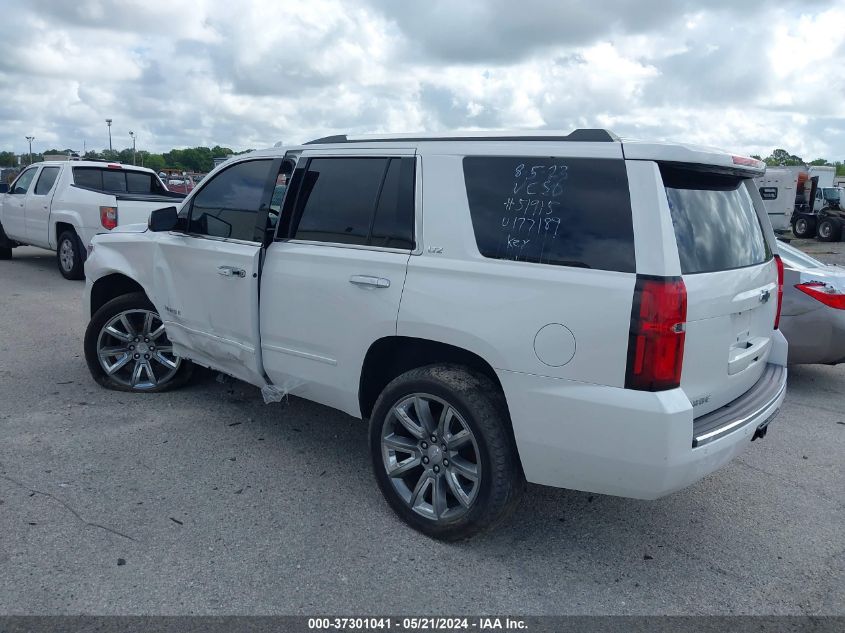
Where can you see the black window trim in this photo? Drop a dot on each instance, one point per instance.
(265, 203)
(303, 163)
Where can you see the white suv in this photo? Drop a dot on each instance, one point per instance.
(575, 311)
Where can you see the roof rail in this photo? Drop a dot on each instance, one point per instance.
(585, 135)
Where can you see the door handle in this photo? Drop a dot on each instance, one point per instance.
(231, 271)
(369, 280)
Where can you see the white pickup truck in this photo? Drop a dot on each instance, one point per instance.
(61, 205)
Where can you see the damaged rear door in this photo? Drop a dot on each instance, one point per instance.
(206, 274)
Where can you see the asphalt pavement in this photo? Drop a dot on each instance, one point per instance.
(208, 501)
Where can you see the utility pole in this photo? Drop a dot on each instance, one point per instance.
(30, 139)
(108, 123)
(132, 134)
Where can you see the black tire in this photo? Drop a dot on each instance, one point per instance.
(481, 408)
(829, 230)
(804, 228)
(5, 251)
(69, 256)
(131, 302)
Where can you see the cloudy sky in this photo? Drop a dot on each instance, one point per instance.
(746, 75)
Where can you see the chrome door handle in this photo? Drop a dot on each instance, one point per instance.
(369, 280)
(231, 271)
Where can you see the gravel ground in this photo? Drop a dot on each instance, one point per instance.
(207, 501)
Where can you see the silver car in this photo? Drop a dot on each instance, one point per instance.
(813, 313)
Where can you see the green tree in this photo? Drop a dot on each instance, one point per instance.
(781, 158)
(8, 159)
(819, 162)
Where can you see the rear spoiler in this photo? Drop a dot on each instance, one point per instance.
(695, 157)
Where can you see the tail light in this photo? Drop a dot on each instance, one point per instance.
(656, 339)
(779, 263)
(108, 217)
(824, 293)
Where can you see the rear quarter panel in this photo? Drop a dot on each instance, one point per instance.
(497, 308)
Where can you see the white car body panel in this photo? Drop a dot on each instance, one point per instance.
(574, 422)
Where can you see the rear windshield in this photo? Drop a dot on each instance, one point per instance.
(116, 180)
(560, 211)
(716, 227)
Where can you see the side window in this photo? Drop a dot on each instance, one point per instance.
(228, 204)
(114, 180)
(562, 211)
(769, 193)
(21, 185)
(365, 201)
(89, 177)
(46, 180)
(393, 225)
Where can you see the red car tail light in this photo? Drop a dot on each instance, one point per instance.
(108, 217)
(824, 293)
(656, 339)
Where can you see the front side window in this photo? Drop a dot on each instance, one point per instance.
(21, 185)
(46, 180)
(357, 200)
(716, 226)
(227, 206)
(560, 211)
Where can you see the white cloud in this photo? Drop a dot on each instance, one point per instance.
(746, 76)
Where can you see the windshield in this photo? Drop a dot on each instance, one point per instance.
(830, 193)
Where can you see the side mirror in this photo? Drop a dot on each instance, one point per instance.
(4, 187)
(163, 219)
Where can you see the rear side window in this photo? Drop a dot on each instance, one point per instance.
(716, 226)
(561, 211)
(46, 180)
(366, 201)
(116, 180)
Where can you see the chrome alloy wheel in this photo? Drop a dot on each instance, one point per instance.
(134, 350)
(431, 457)
(66, 255)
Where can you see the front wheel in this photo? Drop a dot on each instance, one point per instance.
(69, 256)
(442, 451)
(127, 349)
(803, 228)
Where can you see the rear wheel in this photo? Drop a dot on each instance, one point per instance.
(804, 227)
(829, 230)
(69, 256)
(442, 452)
(127, 349)
(5, 252)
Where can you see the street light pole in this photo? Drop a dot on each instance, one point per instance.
(108, 123)
(30, 139)
(132, 134)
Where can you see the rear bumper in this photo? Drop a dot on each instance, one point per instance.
(623, 442)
